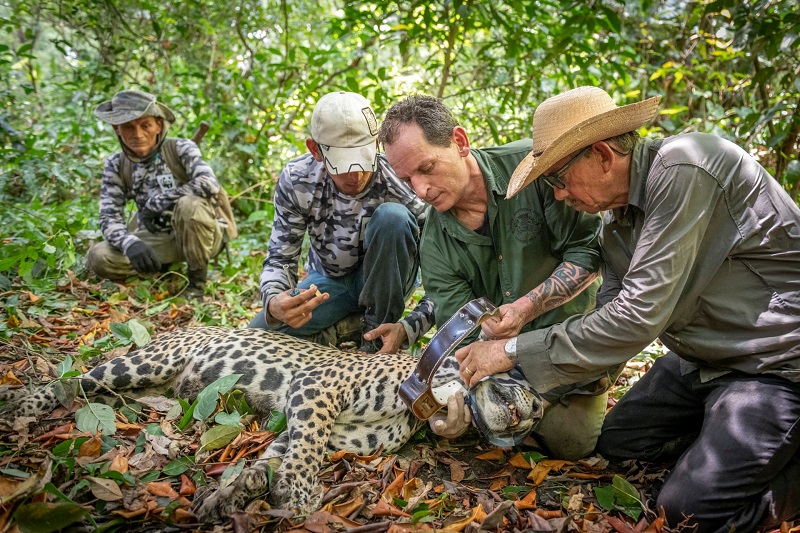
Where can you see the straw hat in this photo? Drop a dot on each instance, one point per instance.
(129, 105)
(573, 120)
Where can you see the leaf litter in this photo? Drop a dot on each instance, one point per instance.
(140, 467)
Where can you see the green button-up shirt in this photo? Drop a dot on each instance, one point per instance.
(531, 234)
(705, 256)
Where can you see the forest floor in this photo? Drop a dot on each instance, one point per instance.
(54, 476)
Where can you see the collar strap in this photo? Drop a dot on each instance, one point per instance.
(415, 391)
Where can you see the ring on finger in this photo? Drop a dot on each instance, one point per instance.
(469, 371)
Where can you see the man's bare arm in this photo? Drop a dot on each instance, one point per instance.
(564, 284)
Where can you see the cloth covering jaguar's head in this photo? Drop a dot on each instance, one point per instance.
(505, 408)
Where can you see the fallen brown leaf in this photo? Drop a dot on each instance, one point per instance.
(119, 464)
(91, 448)
(104, 489)
(162, 488)
(55, 432)
(322, 522)
(348, 507)
(187, 486)
(528, 502)
(149, 506)
(384, 508)
(495, 454)
(499, 483)
(10, 380)
(620, 526)
(549, 514)
(456, 472)
(542, 468)
(519, 461)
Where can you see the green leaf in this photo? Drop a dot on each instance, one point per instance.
(620, 495)
(43, 517)
(188, 415)
(175, 468)
(277, 422)
(121, 331)
(533, 456)
(207, 399)
(150, 476)
(68, 447)
(64, 366)
(24, 49)
(228, 419)
(139, 333)
(96, 417)
(508, 490)
(158, 308)
(605, 497)
(231, 473)
(15, 472)
(64, 392)
(218, 436)
(352, 84)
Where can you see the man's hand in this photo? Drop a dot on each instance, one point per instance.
(295, 311)
(454, 421)
(513, 318)
(481, 359)
(392, 336)
(143, 258)
(151, 220)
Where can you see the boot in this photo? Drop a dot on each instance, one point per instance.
(197, 282)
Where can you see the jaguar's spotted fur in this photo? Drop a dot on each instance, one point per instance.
(332, 399)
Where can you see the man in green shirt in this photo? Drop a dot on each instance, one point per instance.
(533, 256)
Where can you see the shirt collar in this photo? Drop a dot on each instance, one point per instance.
(641, 159)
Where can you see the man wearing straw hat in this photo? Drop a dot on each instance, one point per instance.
(533, 256)
(176, 222)
(701, 248)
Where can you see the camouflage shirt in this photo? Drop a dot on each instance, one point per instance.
(306, 200)
(153, 187)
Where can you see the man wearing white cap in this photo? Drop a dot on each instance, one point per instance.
(363, 226)
(179, 214)
(702, 250)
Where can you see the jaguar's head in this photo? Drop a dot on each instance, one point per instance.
(505, 408)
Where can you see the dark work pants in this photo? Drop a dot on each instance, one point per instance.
(735, 439)
(379, 287)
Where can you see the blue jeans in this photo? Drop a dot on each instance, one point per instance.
(379, 287)
(735, 438)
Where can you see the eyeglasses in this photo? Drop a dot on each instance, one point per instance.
(555, 179)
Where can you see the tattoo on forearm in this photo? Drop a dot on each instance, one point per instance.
(564, 284)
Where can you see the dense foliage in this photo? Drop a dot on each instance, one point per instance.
(254, 70)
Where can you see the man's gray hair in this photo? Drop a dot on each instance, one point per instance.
(429, 113)
(624, 143)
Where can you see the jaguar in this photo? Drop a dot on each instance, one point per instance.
(333, 400)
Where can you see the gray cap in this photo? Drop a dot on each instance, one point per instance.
(130, 105)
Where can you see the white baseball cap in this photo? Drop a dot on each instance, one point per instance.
(345, 128)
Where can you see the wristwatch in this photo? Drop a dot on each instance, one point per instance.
(511, 350)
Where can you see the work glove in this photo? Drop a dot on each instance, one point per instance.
(152, 221)
(143, 258)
